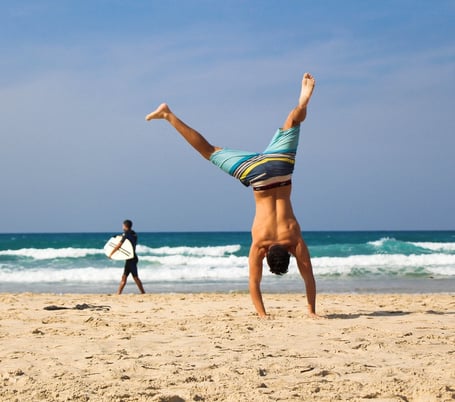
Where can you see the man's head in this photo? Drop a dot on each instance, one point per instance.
(278, 259)
(127, 224)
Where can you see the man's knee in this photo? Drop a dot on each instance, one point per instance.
(209, 151)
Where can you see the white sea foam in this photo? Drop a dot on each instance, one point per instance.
(191, 268)
(434, 246)
(386, 263)
(207, 262)
(93, 275)
(70, 252)
(47, 275)
(212, 263)
(379, 243)
(215, 251)
(51, 253)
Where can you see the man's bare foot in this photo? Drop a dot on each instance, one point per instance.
(160, 113)
(308, 83)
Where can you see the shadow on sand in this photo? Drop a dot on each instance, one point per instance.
(386, 313)
(383, 313)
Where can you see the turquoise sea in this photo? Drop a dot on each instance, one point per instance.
(421, 261)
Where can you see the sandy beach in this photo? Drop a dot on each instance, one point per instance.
(211, 347)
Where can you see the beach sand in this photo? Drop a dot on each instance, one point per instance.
(211, 347)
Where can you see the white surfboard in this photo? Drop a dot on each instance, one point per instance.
(126, 252)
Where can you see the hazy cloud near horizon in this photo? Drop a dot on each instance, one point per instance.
(376, 151)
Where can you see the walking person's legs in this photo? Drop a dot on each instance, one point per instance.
(122, 284)
(139, 284)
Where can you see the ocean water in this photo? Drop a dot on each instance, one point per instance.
(218, 262)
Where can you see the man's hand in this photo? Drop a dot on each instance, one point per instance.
(116, 248)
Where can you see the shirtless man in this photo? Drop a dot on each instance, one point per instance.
(275, 233)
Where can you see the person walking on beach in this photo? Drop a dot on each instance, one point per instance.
(130, 265)
(275, 232)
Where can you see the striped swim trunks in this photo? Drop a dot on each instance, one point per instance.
(266, 170)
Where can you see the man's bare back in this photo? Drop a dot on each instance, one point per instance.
(275, 226)
(274, 222)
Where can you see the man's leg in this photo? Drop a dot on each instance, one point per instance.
(196, 140)
(298, 114)
(139, 284)
(122, 284)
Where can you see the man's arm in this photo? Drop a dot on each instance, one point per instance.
(255, 262)
(306, 270)
(117, 247)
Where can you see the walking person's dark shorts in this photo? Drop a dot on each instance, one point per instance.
(131, 267)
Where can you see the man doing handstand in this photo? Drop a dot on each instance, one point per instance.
(275, 232)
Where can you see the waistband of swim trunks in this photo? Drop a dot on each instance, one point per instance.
(260, 182)
(273, 185)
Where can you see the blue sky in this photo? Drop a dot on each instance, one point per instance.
(78, 77)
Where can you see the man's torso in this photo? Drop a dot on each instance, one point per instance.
(275, 222)
(132, 237)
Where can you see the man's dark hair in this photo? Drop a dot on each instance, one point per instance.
(128, 223)
(278, 259)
